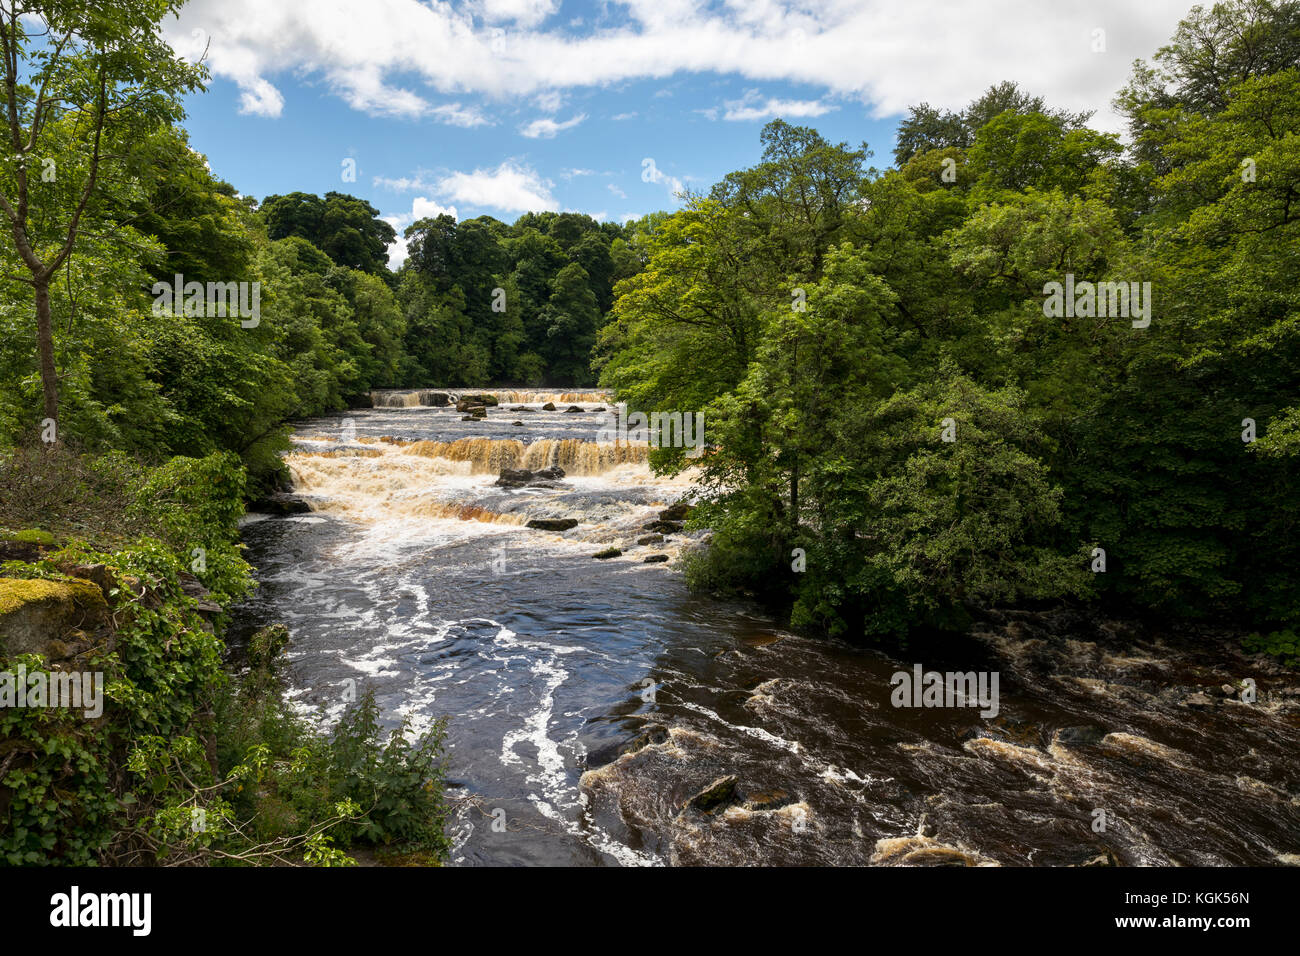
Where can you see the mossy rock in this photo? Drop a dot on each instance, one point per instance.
(607, 553)
(37, 616)
(32, 536)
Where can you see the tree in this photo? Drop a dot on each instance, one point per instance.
(571, 316)
(345, 228)
(926, 128)
(83, 81)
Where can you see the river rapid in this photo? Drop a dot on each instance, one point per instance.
(591, 700)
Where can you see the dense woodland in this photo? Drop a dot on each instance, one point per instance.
(900, 433)
(335, 321)
(903, 434)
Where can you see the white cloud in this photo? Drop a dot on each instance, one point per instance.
(260, 98)
(453, 115)
(887, 54)
(510, 187)
(523, 12)
(546, 128)
(550, 101)
(623, 116)
(423, 208)
(753, 107)
(616, 191)
(403, 184)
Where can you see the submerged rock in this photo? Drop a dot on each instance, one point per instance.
(1080, 736)
(650, 539)
(552, 524)
(656, 559)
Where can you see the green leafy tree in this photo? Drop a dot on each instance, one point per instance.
(71, 68)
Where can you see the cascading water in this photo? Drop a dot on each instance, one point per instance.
(593, 700)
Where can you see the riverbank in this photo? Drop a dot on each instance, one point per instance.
(131, 735)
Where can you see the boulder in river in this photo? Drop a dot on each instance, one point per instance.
(677, 512)
(522, 477)
(719, 794)
(552, 524)
(656, 559)
(663, 527)
(608, 553)
(479, 398)
(766, 800)
(572, 408)
(548, 407)
(519, 408)
(650, 539)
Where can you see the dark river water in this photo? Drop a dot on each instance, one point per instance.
(590, 700)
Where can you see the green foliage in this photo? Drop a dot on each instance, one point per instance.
(556, 274)
(345, 228)
(848, 316)
(189, 766)
(1284, 645)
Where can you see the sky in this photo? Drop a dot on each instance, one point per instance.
(613, 108)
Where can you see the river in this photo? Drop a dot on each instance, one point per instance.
(591, 699)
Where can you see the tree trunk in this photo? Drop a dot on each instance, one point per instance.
(45, 346)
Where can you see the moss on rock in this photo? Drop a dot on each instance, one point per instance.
(37, 615)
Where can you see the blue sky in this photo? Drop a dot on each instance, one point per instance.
(502, 106)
